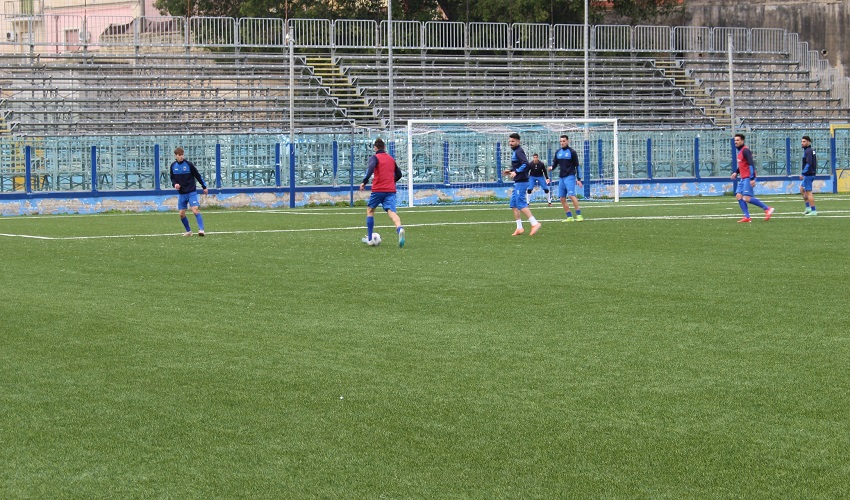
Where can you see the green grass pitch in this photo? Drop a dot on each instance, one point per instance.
(657, 349)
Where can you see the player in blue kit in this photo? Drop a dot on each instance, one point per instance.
(519, 173)
(747, 172)
(566, 159)
(807, 175)
(183, 176)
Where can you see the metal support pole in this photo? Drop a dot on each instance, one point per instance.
(731, 87)
(390, 72)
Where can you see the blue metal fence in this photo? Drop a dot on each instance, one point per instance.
(266, 162)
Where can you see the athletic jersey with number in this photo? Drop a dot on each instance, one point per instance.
(537, 169)
(566, 159)
(185, 173)
(810, 162)
(386, 172)
(745, 164)
(519, 164)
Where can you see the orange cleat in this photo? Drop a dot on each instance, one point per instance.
(520, 231)
(745, 219)
(534, 229)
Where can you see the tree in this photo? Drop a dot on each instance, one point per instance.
(639, 11)
(514, 11)
(497, 11)
(339, 9)
(211, 8)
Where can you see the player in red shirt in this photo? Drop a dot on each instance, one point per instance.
(747, 172)
(387, 174)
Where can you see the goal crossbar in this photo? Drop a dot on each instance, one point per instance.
(612, 122)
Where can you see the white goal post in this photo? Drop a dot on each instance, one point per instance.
(458, 160)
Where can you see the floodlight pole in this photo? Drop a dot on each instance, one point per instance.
(390, 69)
(731, 87)
(586, 70)
(290, 42)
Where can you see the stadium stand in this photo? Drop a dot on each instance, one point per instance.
(218, 75)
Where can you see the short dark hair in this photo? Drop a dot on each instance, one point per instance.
(535, 154)
(379, 143)
(565, 137)
(743, 138)
(807, 138)
(514, 136)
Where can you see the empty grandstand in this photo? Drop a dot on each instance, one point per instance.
(232, 75)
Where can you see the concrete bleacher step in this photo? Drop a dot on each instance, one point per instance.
(699, 95)
(350, 100)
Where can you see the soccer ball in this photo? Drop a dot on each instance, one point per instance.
(376, 240)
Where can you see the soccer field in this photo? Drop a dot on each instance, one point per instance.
(657, 349)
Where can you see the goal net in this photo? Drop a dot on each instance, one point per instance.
(461, 161)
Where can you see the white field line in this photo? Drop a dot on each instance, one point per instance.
(835, 214)
(727, 201)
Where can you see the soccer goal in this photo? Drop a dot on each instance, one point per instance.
(461, 161)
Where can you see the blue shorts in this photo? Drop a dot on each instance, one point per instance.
(567, 186)
(744, 187)
(518, 196)
(187, 200)
(807, 181)
(535, 181)
(386, 200)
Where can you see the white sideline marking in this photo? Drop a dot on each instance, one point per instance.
(492, 207)
(838, 214)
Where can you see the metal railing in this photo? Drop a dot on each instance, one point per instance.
(225, 32)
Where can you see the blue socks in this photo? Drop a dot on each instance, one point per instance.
(755, 201)
(185, 222)
(570, 214)
(808, 205)
(744, 208)
(370, 225)
(200, 221)
(578, 212)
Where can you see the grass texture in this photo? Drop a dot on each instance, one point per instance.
(657, 349)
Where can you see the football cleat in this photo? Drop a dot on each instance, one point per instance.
(579, 218)
(745, 219)
(812, 212)
(535, 228)
(187, 233)
(568, 219)
(518, 232)
(401, 238)
(201, 233)
(768, 213)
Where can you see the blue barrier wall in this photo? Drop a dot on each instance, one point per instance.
(103, 173)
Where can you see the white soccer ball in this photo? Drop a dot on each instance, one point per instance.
(376, 240)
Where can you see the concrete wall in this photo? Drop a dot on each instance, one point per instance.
(823, 24)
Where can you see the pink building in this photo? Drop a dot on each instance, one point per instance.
(54, 26)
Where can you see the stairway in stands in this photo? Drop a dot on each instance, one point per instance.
(701, 98)
(350, 100)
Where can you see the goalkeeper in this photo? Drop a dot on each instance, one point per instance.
(538, 175)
